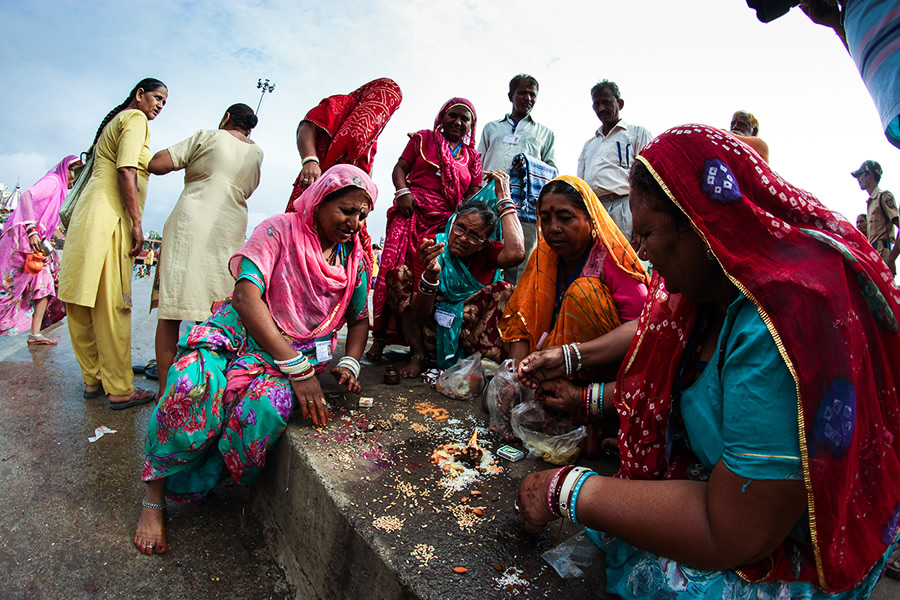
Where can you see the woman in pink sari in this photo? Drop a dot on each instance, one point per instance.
(24, 296)
(439, 169)
(238, 375)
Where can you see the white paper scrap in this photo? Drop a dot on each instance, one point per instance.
(99, 432)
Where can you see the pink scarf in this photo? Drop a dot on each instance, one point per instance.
(307, 296)
(40, 205)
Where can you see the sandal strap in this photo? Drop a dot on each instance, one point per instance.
(152, 506)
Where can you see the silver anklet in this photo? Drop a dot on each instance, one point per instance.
(152, 506)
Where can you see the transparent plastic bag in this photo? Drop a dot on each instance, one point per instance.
(504, 393)
(464, 380)
(546, 436)
(577, 551)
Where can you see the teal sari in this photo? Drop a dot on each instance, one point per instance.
(456, 285)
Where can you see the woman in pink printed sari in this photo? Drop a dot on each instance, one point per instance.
(24, 295)
(237, 376)
(439, 169)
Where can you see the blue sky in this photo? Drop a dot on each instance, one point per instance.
(65, 64)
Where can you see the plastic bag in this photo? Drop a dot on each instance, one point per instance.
(464, 380)
(505, 392)
(577, 551)
(551, 438)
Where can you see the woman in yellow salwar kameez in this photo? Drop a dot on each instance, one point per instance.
(103, 237)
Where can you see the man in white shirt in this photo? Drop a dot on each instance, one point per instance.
(518, 133)
(606, 158)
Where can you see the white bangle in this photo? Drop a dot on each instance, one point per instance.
(351, 364)
(309, 159)
(577, 355)
(566, 489)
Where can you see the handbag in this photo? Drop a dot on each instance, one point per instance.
(82, 176)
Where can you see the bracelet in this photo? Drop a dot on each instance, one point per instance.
(577, 355)
(567, 359)
(295, 360)
(309, 159)
(401, 192)
(575, 491)
(508, 211)
(565, 489)
(302, 375)
(596, 399)
(602, 391)
(586, 398)
(429, 284)
(351, 364)
(427, 290)
(551, 491)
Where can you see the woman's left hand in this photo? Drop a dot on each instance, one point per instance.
(34, 240)
(501, 183)
(531, 503)
(346, 378)
(541, 365)
(560, 394)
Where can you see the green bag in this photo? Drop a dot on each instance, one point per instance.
(82, 176)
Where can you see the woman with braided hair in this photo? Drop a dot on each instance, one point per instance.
(103, 238)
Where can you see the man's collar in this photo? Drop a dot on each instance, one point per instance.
(509, 118)
(620, 125)
(875, 192)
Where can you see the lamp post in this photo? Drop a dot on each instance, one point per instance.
(265, 86)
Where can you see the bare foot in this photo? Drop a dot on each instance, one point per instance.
(150, 533)
(376, 350)
(414, 368)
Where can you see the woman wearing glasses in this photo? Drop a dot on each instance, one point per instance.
(452, 309)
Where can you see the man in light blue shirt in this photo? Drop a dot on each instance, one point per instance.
(518, 133)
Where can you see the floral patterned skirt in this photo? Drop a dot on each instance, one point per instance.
(225, 405)
(481, 314)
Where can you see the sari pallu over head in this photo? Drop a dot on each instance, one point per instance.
(530, 311)
(828, 301)
(435, 148)
(307, 296)
(457, 284)
(40, 205)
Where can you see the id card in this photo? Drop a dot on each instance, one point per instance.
(511, 138)
(323, 351)
(444, 318)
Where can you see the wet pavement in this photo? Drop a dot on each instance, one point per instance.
(355, 510)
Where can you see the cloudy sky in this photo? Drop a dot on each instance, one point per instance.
(65, 64)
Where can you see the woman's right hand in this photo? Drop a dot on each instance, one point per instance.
(311, 400)
(137, 236)
(405, 203)
(34, 240)
(501, 183)
(541, 365)
(310, 172)
(427, 255)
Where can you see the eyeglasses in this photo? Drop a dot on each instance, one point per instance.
(466, 234)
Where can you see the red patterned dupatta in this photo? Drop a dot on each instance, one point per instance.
(348, 130)
(830, 305)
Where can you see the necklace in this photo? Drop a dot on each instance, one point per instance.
(330, 258)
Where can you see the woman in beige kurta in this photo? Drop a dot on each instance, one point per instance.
(207, 225)
(103, 237)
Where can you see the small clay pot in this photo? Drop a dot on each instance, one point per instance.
(391, 375)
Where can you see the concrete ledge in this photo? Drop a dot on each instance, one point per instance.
(355, 510)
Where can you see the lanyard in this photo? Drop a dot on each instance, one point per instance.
(455, 151)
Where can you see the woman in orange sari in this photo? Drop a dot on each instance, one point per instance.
(582, 281)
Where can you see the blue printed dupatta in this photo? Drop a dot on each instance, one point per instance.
(456, 285)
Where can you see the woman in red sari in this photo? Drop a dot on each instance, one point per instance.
(758, 404)
(439, 169)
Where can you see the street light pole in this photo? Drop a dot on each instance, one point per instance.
(265, 86)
